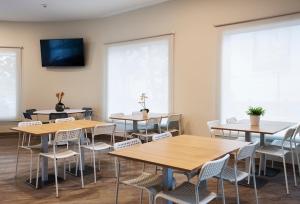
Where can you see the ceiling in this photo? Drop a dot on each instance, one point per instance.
(67, 10)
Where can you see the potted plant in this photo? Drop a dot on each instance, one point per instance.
(255, 113)
(60, 107)
(142, 101)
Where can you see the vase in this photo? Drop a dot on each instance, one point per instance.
(145, 113)
(59, 107)
(254, 120)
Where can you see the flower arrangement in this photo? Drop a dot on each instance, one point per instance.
(59, 96)
(142, 101)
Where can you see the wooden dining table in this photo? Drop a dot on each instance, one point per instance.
(44, 130)
(184, 152)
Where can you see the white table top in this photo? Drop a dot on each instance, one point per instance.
(69, 111)
(265, 127)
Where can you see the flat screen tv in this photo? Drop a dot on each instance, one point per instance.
(62, 52)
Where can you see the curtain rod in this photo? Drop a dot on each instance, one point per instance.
(257, 19)
(11, 47)
(142, 38)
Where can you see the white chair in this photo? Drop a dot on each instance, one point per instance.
(190, 193)
(148, 133)
(63, 120)
(214, 132)
(295, 145)
(101, 147)
(24, 143)
(152, 183)
(174, 118)
(234, 175)
(67, 136)
(123, 132)
(272, 150)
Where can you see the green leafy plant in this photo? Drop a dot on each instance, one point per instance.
(257, 111)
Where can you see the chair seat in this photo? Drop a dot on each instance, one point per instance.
(150, 182)
(185, 194)
(228, 174)
(272, 150)
(286, 144)
(60, 155)
(99, 146)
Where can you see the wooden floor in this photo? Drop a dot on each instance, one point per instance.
(16, 191)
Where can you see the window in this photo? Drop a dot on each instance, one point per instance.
(136, 67)
(10, 62)
(261, 67)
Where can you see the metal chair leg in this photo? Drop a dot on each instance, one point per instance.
(55, 171)
(254, 180)
(285, 176)
(81, 171)
(223, 193)
(294, 170)
(117, 182)
(141, 196)
(94, 163)
(236, 185)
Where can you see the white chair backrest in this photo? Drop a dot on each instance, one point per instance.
(213, 168)
(62, 120)
(67, 135)
(26, 138)
(231, 120)
(247, 151)
(174, 118)
(108, 129)
(210, 124)
(288, 135)
(161, 136)
(153, 121)
(127, 143)
(29, 123)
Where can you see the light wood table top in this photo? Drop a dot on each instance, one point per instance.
(185, 152)
(54, 127)
(265, 127)
(138, 117)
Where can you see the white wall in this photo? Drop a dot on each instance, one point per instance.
(196, 54)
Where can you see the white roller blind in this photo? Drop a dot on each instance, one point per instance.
(261, 67)
(10, 62)
(138, 67)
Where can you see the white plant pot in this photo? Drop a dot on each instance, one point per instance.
(145, 114)
(254, 120)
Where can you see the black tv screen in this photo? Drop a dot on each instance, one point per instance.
(62, 52)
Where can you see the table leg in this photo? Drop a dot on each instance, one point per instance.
(135, 126)
(44, 149)
(82, 141)
(248, 136)
(247, 139)
(168, 180)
